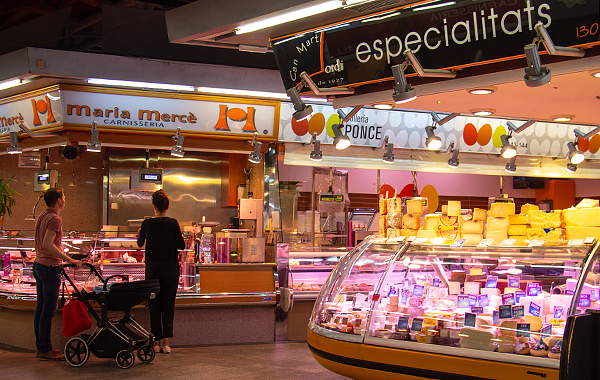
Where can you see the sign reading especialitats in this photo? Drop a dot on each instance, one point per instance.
(463, 34)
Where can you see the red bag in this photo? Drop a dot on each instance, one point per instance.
(75, 318)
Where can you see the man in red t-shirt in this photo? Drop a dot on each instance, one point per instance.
(46, 270)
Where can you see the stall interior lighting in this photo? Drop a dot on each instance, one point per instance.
(14, 144)
(302, 110)
(511, 166)
(177, 149)
(231, 91)
(9, 84)
(575, 156)
(482, 111)
(482, 90)
(256, 156)
(432, 141)
(453, 161)
(562, 118)
(383, 106)
(388, 156)
(127, 83)
(340, 141)
(94, 145)
(571, 168)
(403, 92)
(535, 74)
(508, 150)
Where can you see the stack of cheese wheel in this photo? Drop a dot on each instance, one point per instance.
(411, 221)
(394, 217)
(472, 230)
(497, 222)
(583, 221)
(450, 220)
(519, 223)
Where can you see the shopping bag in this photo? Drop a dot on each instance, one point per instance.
(75, 318)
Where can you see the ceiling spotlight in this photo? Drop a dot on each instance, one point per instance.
(596, 73)
(508, 150)
(177, 149)
(302, 110)
(432, 141)
(482, 111)
(94, 145)
(414, 62)
(316, 154)
(256, 156)
(586, 136)
(574, 156)
(445, 119)
(553, 49)
(14, 143)
(511, 167)
(453, 162)
(345, 118)
(520, 129)
(383, 106)
(562, 118)
(403, 92)
(388, 156)
(535, 74)
(571, 168)
(340, 141)
(482, 90)
(307, 80)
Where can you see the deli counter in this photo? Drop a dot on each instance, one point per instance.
(216, 303)
(449, 312)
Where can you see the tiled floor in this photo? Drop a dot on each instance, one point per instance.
(278, 360)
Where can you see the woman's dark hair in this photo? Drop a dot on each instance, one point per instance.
(160, 200)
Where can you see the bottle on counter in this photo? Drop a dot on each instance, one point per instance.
(207, 243)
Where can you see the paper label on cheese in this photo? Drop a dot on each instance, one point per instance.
(470, 319)
(508, 242)
(472, 300)
(576, 242)
(523, 329)
(485, 242)
(402, 323)
(584, 301)
(418, 290)
(519, 294)
(558, 312)
(508, 299)
(534, 309)
(463, 300)
(417, 324)
(505, 311)
(492, 282)
(483, 300)
(513, 281)
(518, 311)
(477, 310)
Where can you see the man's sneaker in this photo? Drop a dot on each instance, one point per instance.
(51, 355)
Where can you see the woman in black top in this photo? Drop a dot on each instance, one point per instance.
(163, 239)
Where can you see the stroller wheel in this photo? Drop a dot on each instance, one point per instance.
(125, 359)
(146, 354)
(77, 351)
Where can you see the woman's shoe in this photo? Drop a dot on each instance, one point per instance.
(157, 348)
(166, 349)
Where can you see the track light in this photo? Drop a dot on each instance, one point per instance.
(340, 141)
(414, 62)
(316, 154)
(403, 92)
(94, 145)
(432, 141)
(521, 128)
(14, 144)
(553, 49)
(445, 119)
(177, 149)
(586, 136)
(535, 74)
(508, 150)
(256, 155)
(307, 80)
(571, 168)
(453, 162)
(302, 110)
(388, 156)
(345, 118)
(511, 167)
(574, 156)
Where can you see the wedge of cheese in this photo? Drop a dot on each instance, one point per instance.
(518, 219)
(582, 217)
(543, 219)
(411, 221)
(517, 229)
(394, 205)
(382, 206)
(431, 221)
(572, 232)
(502, 210)
(453, 208)
(472, 227)
(382, 222)
(471, 239)
(497, 224)
(479, 214)
(545, 233)
(414, 206)
(528, 207)
(586, 202)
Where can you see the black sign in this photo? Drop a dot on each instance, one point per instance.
(465, 34)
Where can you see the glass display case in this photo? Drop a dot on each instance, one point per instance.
(310, 267)
(472, 309)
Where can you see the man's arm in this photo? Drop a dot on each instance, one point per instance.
(48, 245)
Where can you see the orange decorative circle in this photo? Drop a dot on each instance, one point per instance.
(485, 135)
(594, 144)
(236, 114)
(316, 124)
(470, 134)
(41, 106)
(583, 145)
(387, 191)
(300, 127)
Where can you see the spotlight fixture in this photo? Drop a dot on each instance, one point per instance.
(586, 136)
(482, 111)
(403, 92)
(434, 73)
(453, 162)
(511, 167)
(432, 141)
(574, 156)
(482, 90)
(345, 118)
(94, 145)
(535, 74)
(388, 156)
(553, 49)
(177, 149)
(256, 156)
(520, 129)
(316, 154)
(340, 141)
(307, 80)
(302, 110)
(383, 106)
(571, 168)
(445, 119)
(14, 143)
(562, 118)
(508, 150)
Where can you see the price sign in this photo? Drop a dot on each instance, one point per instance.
(417, 324)
(532, 289)
(483, 300)
(470, 319)
(458, 243)
(476, 310)
(492, 282)
(508, 299)
(495, 317)
(558, 312)
(436, 282)
(438, 240)
(523, 329)
(420, 241)
(472, 300)
(513, 282)
(403, 299)
(505, 311)
(463, 300)
(584, 300)
(402, 323)
(534, 309)
(519, 294)
(546, 330)
(485, 242)
(518, 311)
(508, 242)
(595, 294)
(576, 242)
(536, 243)
(418, 290)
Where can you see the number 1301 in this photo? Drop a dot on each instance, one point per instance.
(584, 31)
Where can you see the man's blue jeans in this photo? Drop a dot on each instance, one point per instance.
(47, 290)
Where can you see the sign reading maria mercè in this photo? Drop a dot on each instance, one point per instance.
(464, 34)
(149, 118)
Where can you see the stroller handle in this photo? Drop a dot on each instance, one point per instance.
(82, 264)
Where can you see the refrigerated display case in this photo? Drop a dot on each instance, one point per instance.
(437, 311)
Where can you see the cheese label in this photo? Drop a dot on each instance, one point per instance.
(396, 239)
(495, 317)
(534, 309)
(419, 240)
(589, 240)
(523, 329)
(438, 240)
(518, 311)
(418, 290)
(402, 323)
(536, 243)
(505, 311)
(508, 299)
(413, 238)
(417, 324)
(532, 289)
(508, 242)
(476, 310)
(483, 300)
(470, 319)
(595, 295)
(463, 300)
(458, 243)
(513, 282)
(558, 312)
(472, 300)
(492, 282)
(436, 282)
(485, 242)
(584, 300)
(546, 330)
(403, 299)
(576, 242)
(519, 294)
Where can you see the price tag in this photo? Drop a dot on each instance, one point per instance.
(513, 282)
(485, 242)
(532, 289)
(436, 282)
(589, 240)
(483, 300)
(418, 290)
(417, 324)
(546, 330)
(495, 317)
(576, 242)
(403, 299)
(472, 300)
(411, 238)
(518, 311)
(558, 312)
(508, 242)
(402, 323)
(584, 300)
(519, 294)
(508, 299)
(375, 297)
(463, 300)
(534, 309)
(476, 310)
(396, 239)
(458, 243)
(523, 329)
(492, 282)
(420, 240)
(438, 240)
(470, 319)
(505, 311)
(536, 243)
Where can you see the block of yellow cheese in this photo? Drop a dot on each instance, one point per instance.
(479, 214)
(471, 239)
(528, 207)
(543, 219)
(586, 202)
(445, 209)
(472, 227)
(517, 229)
(544, 233)
(411, 221)
(453, 208)
(414, 206)
(431, 221)
(394, 205)
(582, 217)
(502, 210)
(496, 236)
(497, 224)
(408, 232)
(518, 219)
(393, 232)
(382, 206)
(427, 234)
(382, 222)
(572, 232)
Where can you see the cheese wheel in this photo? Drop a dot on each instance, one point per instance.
(502, 210)
(479, 214)
(586, 203)
(472, 227)
(453, 208)
(496, 236)
(517, 219)
(497, 224)
(535, 323)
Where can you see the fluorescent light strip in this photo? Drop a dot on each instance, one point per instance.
(434, 6)
(289, 16)
(381, 17)
(230, 91)
(127, 83)
(9, 84)
(332, 27)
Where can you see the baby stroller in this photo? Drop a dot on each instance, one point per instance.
(113, 338)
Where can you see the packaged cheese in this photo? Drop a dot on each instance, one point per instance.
(453, 208)
(528, 207)
(394, 220)
(497, 224)
(502, 210)
(472, 227)
(586, 203)
(518, 229)
(582, 217)
(414, 206)
(572, 232)
(546, 219)
(518, 219)
(431, 221)
(479, 214)
(411, 221)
